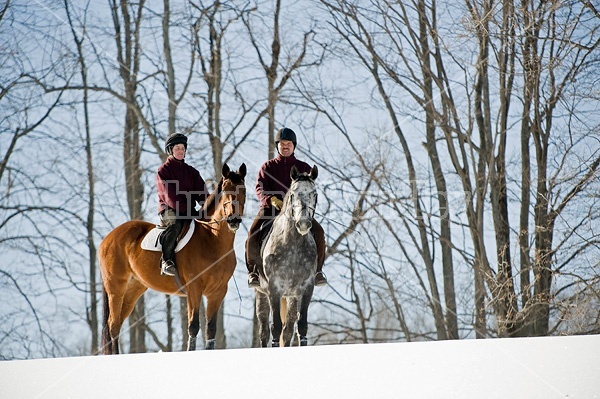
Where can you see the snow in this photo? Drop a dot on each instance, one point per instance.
(531, 368)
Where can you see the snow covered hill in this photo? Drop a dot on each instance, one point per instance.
(528, 368)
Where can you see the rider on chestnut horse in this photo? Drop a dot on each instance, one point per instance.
(180, 187)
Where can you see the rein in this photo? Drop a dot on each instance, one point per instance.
(335, 221)
(211, 222)
(215, 221)
(289, 214)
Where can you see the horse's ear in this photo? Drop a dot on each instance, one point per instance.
(225, 170)
(314, 172)
(242, 170)
(294, 173)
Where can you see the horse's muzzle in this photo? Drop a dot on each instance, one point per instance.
(234, 222)
(303, 226)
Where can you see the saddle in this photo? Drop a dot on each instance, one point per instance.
(151, 241)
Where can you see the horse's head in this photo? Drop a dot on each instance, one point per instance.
(301, 199)
(233, 196)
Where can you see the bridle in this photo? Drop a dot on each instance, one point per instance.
(310, 208)
(226, 218)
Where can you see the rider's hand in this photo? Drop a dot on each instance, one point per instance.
(276, 203)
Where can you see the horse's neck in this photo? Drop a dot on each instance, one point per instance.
(283, 224)
(218, 215)
(217, 223)
(208, 213)
(210, 206)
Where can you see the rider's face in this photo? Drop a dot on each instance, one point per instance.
(179, 151)
(285, 147)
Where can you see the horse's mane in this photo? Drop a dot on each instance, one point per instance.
(211, 201)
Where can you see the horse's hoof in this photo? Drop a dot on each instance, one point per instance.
(210, 344)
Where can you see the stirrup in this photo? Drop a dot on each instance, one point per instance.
(320, 279)
(253, 281)
(167, 268)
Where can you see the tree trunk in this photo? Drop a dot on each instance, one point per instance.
(92, 314)
(480, 324)
(170, 329)
(127, 40)
(542, 262)
(451, 320)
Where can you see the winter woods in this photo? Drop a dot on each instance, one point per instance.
(458, 145)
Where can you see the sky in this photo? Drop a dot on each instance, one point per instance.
(531, 368)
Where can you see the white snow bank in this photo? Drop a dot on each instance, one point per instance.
(531, 368)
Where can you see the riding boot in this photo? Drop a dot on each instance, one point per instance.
(253, 281)
(167, 267)
(320, 278)
(319, 236)
(168, 240)
(253, 243)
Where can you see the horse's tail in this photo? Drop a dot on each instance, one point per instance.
(106, 339)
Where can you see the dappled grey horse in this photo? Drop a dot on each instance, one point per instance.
(289, 265)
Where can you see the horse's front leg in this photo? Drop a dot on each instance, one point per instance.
(211, 332)
(276, 325)
(193, 329)
(193, 304)
(262, 314)
(290, 321)
(213, 303)
(303, 320)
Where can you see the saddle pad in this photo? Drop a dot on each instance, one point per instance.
(150, 242)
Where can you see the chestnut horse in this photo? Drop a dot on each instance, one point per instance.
(204, 265)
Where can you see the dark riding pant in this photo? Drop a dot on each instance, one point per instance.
(260, 227)
(168, 239)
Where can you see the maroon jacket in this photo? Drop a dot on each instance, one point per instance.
(274, 178)
(179, 186)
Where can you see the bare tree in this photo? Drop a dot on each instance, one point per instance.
(92, 313)
(457, 143)
(281, 62)
(351, 24)
(127, 19)
(29, 239)
(412, 51)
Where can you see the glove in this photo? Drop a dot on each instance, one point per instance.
(276, 203)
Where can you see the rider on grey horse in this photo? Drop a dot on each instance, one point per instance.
(272, 184)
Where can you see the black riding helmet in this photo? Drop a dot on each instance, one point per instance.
(172, 140)
(285, 134)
